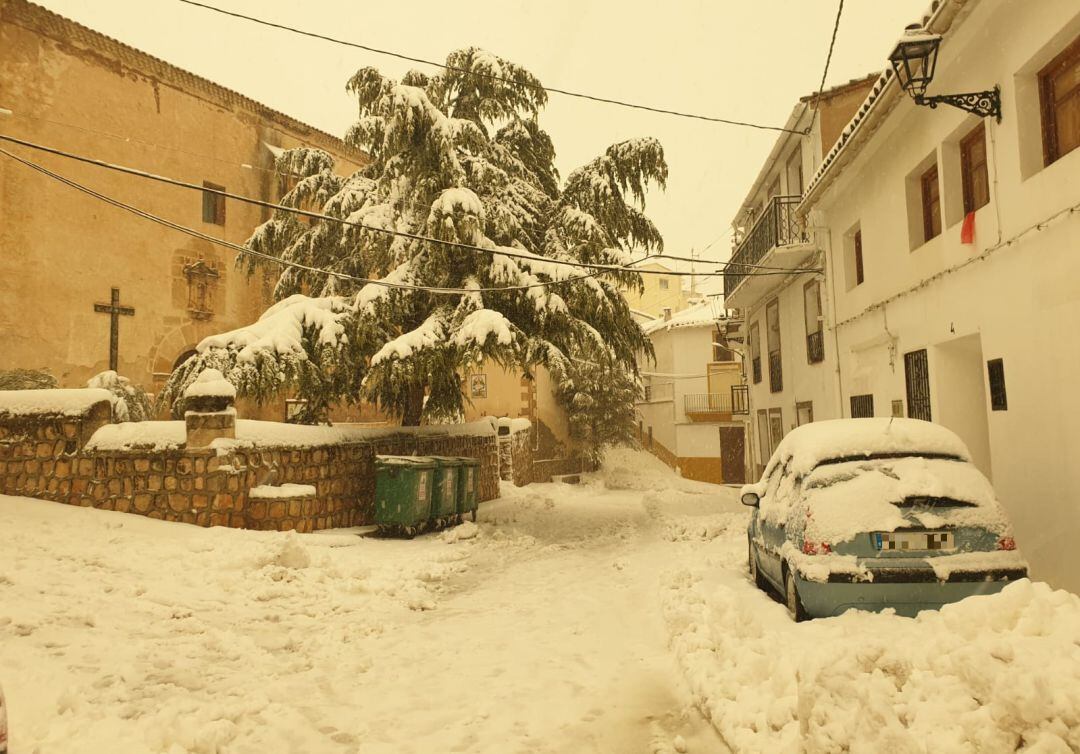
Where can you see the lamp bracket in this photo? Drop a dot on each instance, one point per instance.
(984, 104)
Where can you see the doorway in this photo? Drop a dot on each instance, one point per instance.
(960, 399)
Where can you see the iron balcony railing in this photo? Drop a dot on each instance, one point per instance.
(707, 403)
(776, 377)
(815, 347)
(777, 226)
(740, 399)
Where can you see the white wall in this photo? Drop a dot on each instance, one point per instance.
(1020, 303)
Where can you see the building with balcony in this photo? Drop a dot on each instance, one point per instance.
(776, 274)
(694, 410)
(950, 248)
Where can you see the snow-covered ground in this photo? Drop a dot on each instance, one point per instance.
(614, 616)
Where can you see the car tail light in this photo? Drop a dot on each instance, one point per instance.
(1006, 543)
(816, 548)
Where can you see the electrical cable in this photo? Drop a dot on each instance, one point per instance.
(549, 89)
(400, 233)
(269, 257)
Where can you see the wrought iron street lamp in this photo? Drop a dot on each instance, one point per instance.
(914, 60)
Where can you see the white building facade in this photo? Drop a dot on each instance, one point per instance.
(952, 260)
(693, 413)
(790, 365)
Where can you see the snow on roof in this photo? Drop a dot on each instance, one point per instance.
(166, 435)
(702, 315)
(210, 382)
(807, 446)
(66, 402)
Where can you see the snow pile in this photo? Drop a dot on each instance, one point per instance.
(56, 401)
(272, 491)
(513, 426)
(847, 499)
(995, 673)
(210, 382)
(150, 435)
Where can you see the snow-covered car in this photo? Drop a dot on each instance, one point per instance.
(875, 514)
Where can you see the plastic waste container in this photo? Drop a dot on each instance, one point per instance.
(404, 487)
(468, 478)
(444, 502)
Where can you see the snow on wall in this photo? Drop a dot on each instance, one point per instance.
(57, 401)
(273, 491)
(162, 435)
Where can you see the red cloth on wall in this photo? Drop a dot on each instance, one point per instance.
(967, 231)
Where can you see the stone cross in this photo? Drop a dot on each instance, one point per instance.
(114, 310)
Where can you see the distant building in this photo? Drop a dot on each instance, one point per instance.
(73, 269)
(693, 413)
(661, 293)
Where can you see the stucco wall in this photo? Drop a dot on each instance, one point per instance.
(1020, 303)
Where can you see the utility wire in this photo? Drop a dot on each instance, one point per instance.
(828, 59)
(270, 258)
(412, 59)
(400, 233)
(245, 165)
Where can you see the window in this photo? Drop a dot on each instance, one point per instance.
(213, 205)
(772, 337)
(931, 203)
(720, 351)
(1059, 92)
(898, 407)
(995, 370)
(862, 406)
(917, 376)
(776, 426)
(794, 173)
(755, 351)
(815, 346)
(973, 173)
(663, 284)
(804, 413)
(858, 257)
(764, 448)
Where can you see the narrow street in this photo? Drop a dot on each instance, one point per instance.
(538, 631)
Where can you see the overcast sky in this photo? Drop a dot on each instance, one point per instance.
(748, 60)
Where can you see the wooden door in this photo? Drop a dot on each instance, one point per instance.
(732, 455)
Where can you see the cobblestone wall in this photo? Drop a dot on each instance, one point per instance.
(45, 457)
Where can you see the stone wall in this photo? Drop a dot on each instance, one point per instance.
(46, 456)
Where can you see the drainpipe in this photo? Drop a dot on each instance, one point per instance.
(822, 230)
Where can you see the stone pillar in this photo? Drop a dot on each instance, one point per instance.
(209, 411)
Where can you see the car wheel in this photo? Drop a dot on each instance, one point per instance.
(755, 574)
(792, 599)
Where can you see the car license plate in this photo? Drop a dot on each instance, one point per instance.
(914, 540)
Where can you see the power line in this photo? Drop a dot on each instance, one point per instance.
(828, 59)
(399, 233)
(494, 77)
(268, 257)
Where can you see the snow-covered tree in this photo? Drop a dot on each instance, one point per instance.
(130, 402)
(460, 157)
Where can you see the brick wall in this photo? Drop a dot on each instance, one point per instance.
(45, 456)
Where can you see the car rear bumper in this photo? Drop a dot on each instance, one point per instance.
(908, 591)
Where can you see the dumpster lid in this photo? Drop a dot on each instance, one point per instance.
(469, 460)
(413, 461)
(447, 460)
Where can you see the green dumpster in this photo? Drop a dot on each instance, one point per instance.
(444, 501)
(468, 478)
(403, 494)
